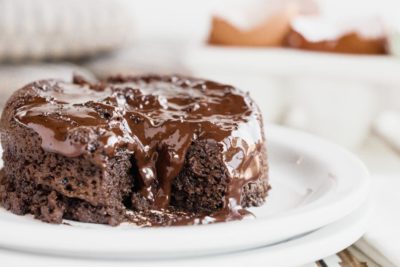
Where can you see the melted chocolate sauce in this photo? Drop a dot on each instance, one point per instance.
(156, 119)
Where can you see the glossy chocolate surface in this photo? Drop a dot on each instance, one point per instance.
(156, 119)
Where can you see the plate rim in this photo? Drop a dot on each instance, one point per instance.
(308, 248)
(94, 241)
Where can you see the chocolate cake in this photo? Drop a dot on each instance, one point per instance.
(153, 150)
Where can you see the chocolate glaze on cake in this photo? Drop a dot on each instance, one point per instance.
(155, 150)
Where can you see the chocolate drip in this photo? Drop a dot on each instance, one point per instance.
(156, 119)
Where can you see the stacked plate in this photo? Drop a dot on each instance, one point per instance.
(318, 206)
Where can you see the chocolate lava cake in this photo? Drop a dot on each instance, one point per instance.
(153, 150)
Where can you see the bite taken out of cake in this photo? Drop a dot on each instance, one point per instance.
(151, 150)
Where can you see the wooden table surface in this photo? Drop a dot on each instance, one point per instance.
(350, 257)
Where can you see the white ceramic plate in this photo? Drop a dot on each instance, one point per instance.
(314, 183)
(295, 252)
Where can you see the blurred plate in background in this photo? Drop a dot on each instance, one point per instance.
(323, 93)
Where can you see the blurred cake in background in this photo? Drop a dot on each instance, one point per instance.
(317, 33)
(256, 22)
(298, 24)
(270, 32)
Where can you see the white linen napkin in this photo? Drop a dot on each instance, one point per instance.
(381, 242)
(46, 29)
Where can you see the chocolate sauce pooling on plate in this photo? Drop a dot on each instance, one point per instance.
(156, 119)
